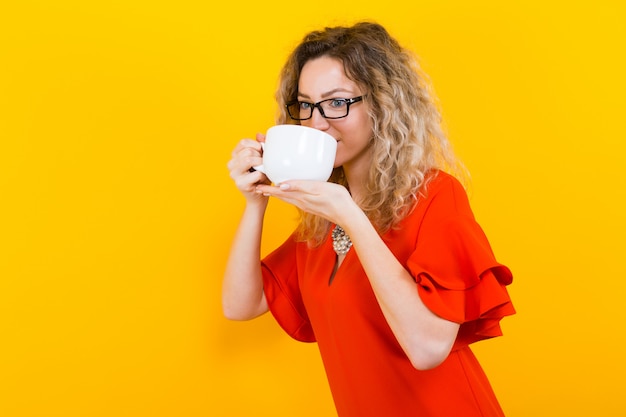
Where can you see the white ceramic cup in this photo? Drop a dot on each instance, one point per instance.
(295, 152)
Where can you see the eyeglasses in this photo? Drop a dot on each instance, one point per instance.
(333, 108)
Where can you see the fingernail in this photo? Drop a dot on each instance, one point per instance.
(284, 186)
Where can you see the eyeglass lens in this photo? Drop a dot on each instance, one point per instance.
(332, 109)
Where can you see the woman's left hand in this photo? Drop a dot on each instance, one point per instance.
(325, 199)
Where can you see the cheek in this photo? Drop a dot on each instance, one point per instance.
(363, 126)
(363, 135)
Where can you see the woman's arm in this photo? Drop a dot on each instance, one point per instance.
(425, 337)
(242, 289)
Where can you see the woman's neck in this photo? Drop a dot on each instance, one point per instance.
(356, 175)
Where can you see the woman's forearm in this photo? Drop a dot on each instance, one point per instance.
(425, 337)
(242, 290)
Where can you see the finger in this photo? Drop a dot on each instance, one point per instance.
(245, 158)
(304, 186)
(272, 191)
(242, 165)
(250, 181)
(246, 144)
(267, 189)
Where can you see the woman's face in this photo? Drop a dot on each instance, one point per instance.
(324, 78)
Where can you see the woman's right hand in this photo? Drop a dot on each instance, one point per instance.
(246, 155)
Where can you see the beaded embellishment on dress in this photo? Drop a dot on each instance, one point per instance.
(341, 241)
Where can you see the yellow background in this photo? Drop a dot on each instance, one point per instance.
(117, 119)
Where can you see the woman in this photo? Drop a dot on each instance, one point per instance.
(412, 280)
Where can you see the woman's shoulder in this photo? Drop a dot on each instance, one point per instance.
(442, 196)
(441, 179)
(439, 184)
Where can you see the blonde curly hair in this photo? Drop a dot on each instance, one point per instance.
(408, 140)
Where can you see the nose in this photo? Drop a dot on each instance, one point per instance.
(317, 121)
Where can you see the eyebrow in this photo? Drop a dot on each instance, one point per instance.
(328, 93)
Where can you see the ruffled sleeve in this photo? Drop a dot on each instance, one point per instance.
(457, 275)
(282, 291)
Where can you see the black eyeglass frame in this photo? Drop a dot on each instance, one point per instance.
(347, 101)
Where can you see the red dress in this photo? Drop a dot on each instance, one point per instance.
(457, 277)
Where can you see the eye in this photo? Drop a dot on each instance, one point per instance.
(304, 105)
(337, 103)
